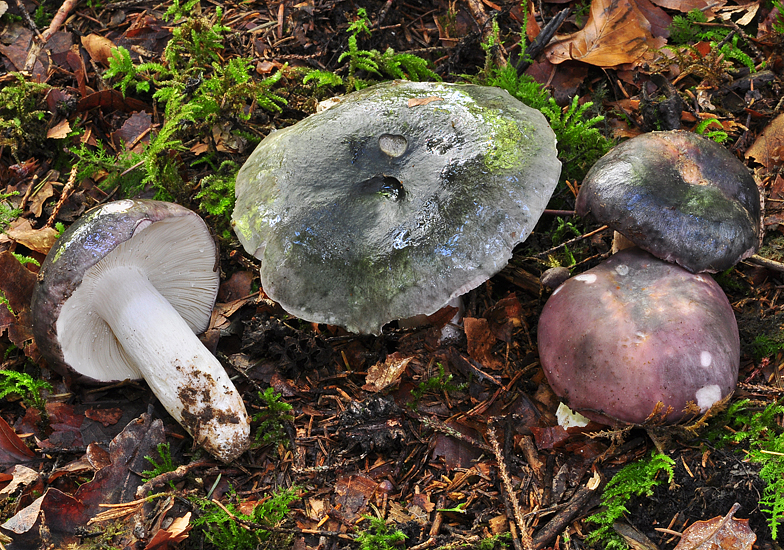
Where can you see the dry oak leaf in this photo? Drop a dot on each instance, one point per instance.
(719, 533)
(768, 149)
(617, 33)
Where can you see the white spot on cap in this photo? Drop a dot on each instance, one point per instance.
(707, 396)
(587, 277)
(700, 278)
(706, 358)
(622, 269)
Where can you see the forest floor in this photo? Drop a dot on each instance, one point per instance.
(452, 444)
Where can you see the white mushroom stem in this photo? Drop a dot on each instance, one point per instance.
(187, 379)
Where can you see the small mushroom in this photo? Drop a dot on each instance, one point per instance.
(122, 294)
(394, 201)
(636, 331)
(680, 196)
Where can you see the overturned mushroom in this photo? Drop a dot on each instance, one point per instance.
(122, 294)
(636, 331)
(680, 196)
(394, 201)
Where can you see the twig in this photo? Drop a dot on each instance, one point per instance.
(439, 426)
(58, 19)
(575, 505)
(511, 497)
(536, 47)
(29, 20)
(765, 262)
(166, 477)
(572, 241)
(67, 190)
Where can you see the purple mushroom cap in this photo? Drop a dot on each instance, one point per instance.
(682, 197)
(636, 331)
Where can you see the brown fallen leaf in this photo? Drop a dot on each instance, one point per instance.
(352, 494)
(22, 476)
(383, 374)
(107, 417)
(688, 5)
(768, 149)
(481, 341)
(719, 533)
(59, 130)
(174, 533)
(416, 101)
(99, 48)
(617, 33)
(39, 240)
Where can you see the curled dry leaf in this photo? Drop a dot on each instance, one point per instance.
(99, 48)
(617, 33)
(768, 149)
(720, 533)
(381, 375)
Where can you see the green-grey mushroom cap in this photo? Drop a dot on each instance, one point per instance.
(394, 201)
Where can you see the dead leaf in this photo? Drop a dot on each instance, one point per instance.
(39, 240)
(688, 5)
(117, 482)
(62, 513)
(616, 33)
(382, 375)
(99, 48)
(719, 533)
(134, 132)
(768, 149)
(416, 101)
(174, 533)
(352, 494)
(40, 197)
(480, 341)
(111, 100)
(107, 417)
(22, 476)
(60, 130)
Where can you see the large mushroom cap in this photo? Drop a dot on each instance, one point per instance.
(172, 243)
(635, 331)
(678, 195)
(392, 202)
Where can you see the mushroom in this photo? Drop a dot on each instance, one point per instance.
(680, 196)
(636, 331)
(122, 294)
(394, 201)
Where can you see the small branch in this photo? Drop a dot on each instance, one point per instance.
(572, 241)
(511, 497)
(163, 479)
(765, 262)
(575, 505)
(536, 47)
(67, 190)
(58, 19)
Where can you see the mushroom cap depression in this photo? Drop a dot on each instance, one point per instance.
(680, 196)
(634, 331)
(394, 201)
(170, 242)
